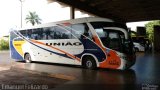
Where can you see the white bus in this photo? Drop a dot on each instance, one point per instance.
(91, 42)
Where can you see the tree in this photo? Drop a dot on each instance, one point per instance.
(33, 18)
(4, 44)
(150, 27)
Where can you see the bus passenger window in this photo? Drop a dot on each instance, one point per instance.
(47, 33)
(81, 29)
(52, 35)
(39, 32)
(29, 33)
(23, 32)
(34, 34)
(61, 33)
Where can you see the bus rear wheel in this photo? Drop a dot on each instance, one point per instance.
(27, 58)
(89, 63)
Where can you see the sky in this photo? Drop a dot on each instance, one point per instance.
(48, 12)
(134, 25)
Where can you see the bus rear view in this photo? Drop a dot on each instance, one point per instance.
(89, 42)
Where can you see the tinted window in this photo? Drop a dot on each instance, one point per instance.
(61, 33)
(29, 33)
(115, 41)
(39, 32)
(101, 33)
(33, 33)
(47, 33)
(111, 38)
(23, 32)
(81, 29)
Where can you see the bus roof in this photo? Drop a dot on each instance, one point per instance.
(72, 21)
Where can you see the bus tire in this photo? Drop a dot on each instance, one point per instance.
(89, 63)
(27, 58)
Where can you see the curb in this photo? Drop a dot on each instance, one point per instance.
(60, 76)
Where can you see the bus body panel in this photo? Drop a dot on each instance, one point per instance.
(14, 48)
(48, 54)
(70, 51)
(14, 53)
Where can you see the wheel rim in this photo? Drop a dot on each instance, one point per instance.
(89, 64)
(28, 58)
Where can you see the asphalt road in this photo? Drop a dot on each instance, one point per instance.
(17, 79)
(144, 75)
(5, 58)
(5, 61)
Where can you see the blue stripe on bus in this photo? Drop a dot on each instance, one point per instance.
(92, 48)
(14, 53)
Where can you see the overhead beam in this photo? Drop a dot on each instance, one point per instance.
(83, 5)
(96, 2)
(118, 10)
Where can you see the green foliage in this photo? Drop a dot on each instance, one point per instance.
(33, 18)
(133, 34)
(150, 27)
(4, 44)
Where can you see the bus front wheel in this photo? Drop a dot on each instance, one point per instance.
(89, 62)
(27, 58)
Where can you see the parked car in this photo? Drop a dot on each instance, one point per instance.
(138, 47)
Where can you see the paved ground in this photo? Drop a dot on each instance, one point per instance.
(5, 58)
(20, 79)
(144, 75)
(5, 61)
(16, 80)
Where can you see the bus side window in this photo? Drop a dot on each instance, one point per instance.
(23, 32)
(29, 33)
(52, 32)
(81, 29)
(34, 34)
(40, 33)
(46, 33)
(114, 41)
(61, 33)
(103, 35)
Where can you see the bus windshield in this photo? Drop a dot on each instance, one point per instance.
(112, 35)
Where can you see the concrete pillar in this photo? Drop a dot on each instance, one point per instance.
(156, 38)
(72, 14)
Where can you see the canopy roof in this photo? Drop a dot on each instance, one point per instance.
(121, 10)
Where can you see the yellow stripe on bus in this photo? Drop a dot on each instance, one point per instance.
(18, 46)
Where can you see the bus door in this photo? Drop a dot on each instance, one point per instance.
(82, 34)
